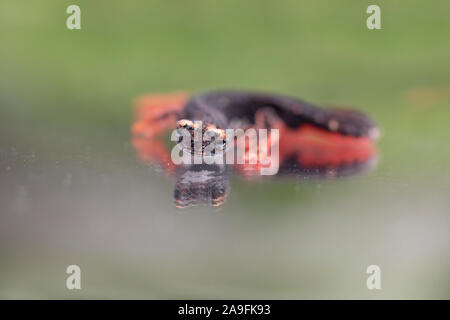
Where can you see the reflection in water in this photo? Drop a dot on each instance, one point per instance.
(304, 152)
(197, 184)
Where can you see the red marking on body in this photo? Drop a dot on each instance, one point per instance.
(313, 147)
(317, 147)
(156, 113)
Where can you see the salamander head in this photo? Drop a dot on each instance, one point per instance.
(207, 132)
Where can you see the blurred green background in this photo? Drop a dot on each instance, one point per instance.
(73, 192)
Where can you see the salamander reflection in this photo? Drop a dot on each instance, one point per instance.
(305, 153)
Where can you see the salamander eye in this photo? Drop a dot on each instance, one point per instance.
(184, 123)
